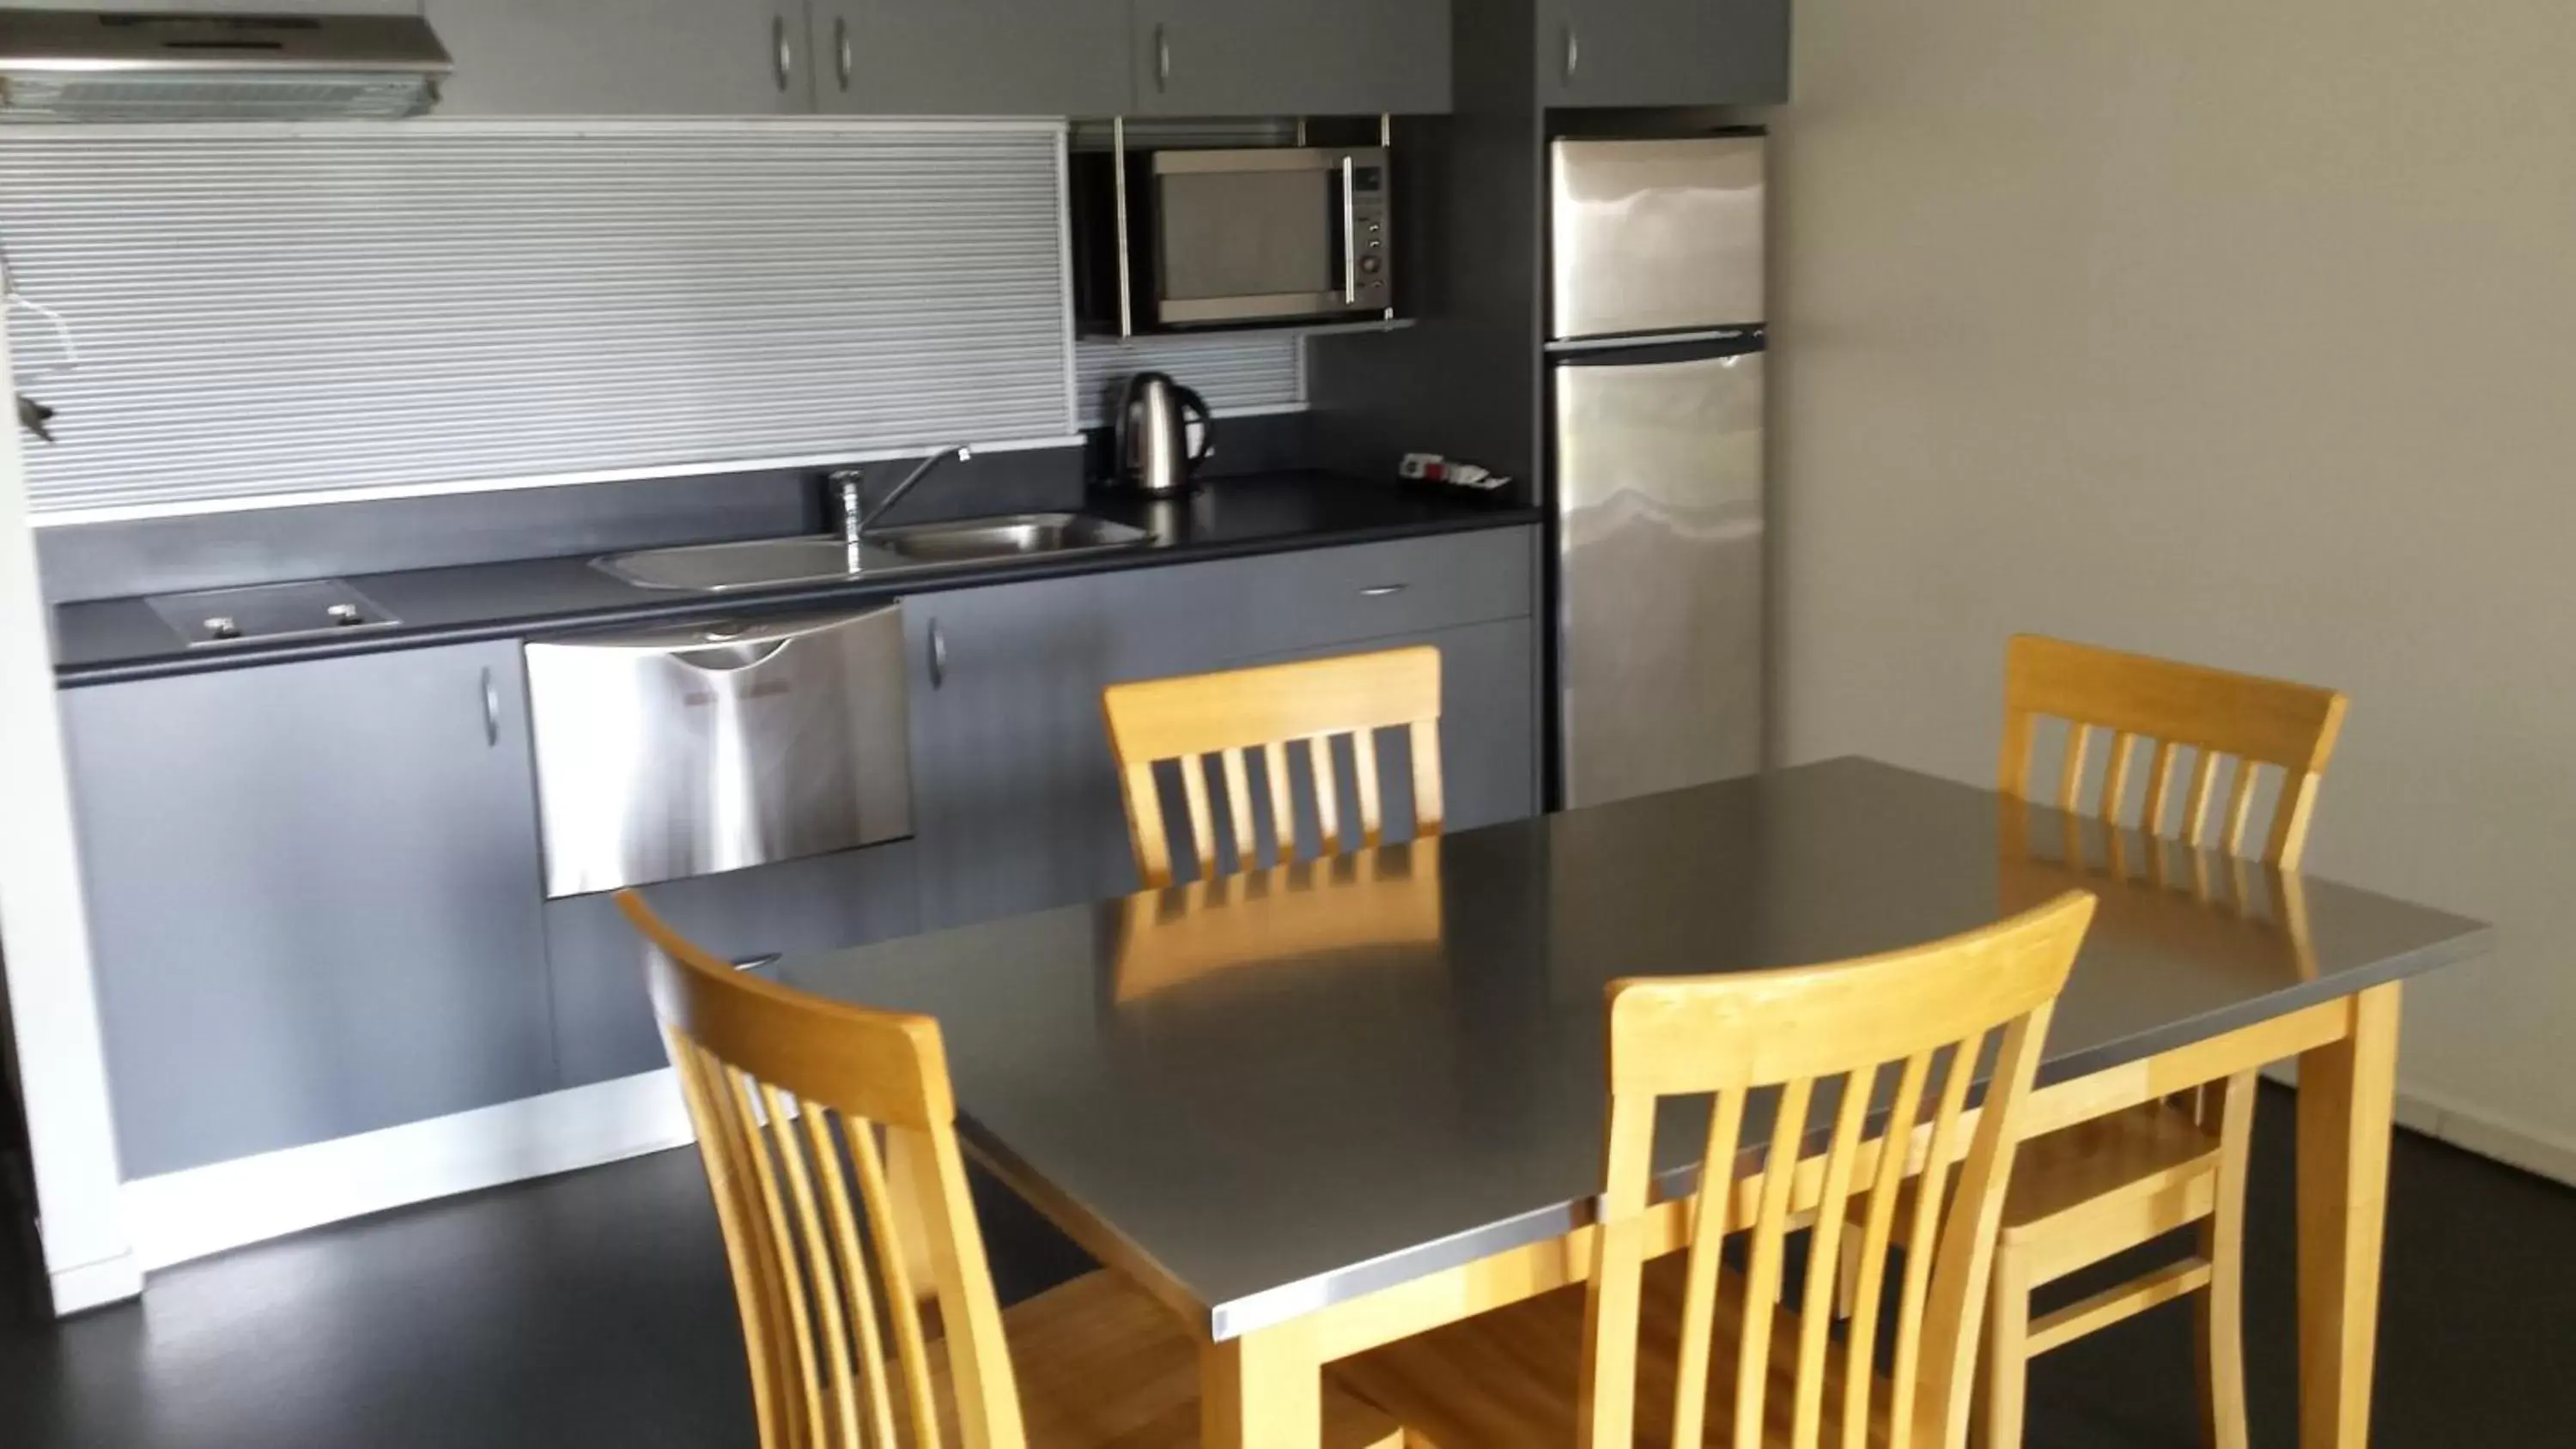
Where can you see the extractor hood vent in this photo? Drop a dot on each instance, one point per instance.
(58, 65)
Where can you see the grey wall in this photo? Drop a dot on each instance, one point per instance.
(2238, 333)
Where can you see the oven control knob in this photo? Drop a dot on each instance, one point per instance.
(1371, 265)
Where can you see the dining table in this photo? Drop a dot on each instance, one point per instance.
(1318, 1108)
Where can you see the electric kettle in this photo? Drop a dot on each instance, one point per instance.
(1156, 417)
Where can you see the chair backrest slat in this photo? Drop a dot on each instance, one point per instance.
(2258, 723)
(791, 1096)
(1804, 1036)
(1280, 710)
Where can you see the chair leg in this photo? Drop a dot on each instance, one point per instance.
(2220, 1310)
(2007, 1352)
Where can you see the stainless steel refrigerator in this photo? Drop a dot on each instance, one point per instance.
(1656, 345)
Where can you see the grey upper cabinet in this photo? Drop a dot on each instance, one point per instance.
(1663, 52)
(625, 57)
(313, 898)
(1270, 58)
(971, 57)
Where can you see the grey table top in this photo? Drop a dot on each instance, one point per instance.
(1329, 1079)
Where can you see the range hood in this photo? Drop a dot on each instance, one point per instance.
(71, 65)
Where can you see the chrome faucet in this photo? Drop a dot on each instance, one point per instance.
(856, 518)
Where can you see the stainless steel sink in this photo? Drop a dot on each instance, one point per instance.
(719, 568)
(1018, 536)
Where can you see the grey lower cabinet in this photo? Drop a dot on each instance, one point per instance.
(1663, 52)
(971, 57)
(625, 57)
(1264, 57)
(603, 1021)
(1489, 723)
(1016, 801)
(314, 899)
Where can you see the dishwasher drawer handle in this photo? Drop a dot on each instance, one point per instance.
(1382, 591)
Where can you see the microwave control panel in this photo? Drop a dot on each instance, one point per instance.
(1370, 260)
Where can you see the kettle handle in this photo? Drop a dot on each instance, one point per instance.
(1191, 402)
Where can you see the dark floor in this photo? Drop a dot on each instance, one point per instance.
(593, 1310)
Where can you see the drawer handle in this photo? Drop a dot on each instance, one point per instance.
(1382, 591)
(938, 656)
(782, 54)
(491, 711)
(758, 963)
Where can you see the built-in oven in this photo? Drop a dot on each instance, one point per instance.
(1175, 240)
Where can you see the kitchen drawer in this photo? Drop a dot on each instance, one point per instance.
(1371, 591)
(603, 1018)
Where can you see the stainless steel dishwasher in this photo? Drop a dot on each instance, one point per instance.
(687, 751)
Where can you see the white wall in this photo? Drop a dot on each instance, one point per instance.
(2241, 333)
(45, 933)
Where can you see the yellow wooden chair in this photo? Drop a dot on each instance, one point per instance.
(829, 1133)
(2100, 1188)
(1276, 709)
(1626, 1359)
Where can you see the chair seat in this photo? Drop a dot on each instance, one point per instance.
(1102, 1365)
(1511, 1378)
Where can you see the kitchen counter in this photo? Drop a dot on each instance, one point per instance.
(115, 640)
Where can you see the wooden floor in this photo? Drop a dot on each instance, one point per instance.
(592, 1310)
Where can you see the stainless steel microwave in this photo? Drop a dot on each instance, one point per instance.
(1168, 241)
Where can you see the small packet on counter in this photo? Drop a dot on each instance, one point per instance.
(1432, 468)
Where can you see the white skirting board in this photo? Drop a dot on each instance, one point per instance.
(206, 1210)
(203, 1210)
(95, 1285)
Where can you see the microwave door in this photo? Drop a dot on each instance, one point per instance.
(1249, 236)
(1656, 236)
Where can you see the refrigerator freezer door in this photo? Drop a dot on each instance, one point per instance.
(1657, 236)
(1660, 629)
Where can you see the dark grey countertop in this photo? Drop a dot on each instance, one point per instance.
(1338, 1078)
(122, 639)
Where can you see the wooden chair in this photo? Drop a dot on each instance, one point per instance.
(1277, 709)
(1626, 1358)
(829, 1137)
(2104, 1187)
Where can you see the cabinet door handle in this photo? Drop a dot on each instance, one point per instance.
(938, 656)
(1573, 53)
(1382, 591)
(491, 710)
(782, 54)
(758, 963)
(1162, 58)
(846, 59)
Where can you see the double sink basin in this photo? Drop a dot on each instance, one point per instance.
(718, 568)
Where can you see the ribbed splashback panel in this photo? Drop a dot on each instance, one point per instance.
(268, 311)
(1236, 373)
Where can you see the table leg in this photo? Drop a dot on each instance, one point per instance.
(2347, 1109)
(1262, 1391)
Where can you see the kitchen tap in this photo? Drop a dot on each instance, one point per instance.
(856, 518)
